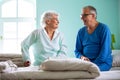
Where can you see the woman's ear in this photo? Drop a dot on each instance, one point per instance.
(47, 22)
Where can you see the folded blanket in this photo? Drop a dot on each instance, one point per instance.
(7, 66)
(33, 73)
(68, 64)
(71, 64)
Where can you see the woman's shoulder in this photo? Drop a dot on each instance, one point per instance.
(37, 30)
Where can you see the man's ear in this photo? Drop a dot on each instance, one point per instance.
(94, 15)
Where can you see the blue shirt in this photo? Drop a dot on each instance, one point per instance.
(43, 47)
(95, 46)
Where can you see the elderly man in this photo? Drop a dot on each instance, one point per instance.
(93, 42)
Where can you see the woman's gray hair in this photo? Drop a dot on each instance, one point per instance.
(46, 16)
(92, 10)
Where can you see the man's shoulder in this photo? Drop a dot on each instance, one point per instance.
(82, 29)
(103, 26)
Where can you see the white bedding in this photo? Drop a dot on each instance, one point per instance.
(60, 70)
(33, 73)
(109, 75)
(70, 68)
(7, 66)
(69, 64)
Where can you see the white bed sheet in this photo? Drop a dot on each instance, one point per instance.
(109, 75)
(32, 73)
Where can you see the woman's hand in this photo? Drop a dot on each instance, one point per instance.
(27, 63)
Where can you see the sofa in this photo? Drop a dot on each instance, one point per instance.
(17, 60)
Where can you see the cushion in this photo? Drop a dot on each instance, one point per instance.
(116, 58)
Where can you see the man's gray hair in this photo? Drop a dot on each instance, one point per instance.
(46, 16)
(92, 10)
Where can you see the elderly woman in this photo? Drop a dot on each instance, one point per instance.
(46, 41)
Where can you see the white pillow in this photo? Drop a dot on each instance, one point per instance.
(7, 66)
(116, 58)
(69, 64)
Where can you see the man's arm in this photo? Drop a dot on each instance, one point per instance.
(78, 48)
(105, 50)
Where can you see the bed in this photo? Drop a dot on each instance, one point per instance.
(50, 73)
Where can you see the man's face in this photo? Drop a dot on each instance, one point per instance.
(86, 16)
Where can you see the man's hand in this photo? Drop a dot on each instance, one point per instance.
(84, 58)
(27, 63)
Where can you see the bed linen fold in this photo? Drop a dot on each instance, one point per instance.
(55, 69)
(33, 73)
(7, 66)
(90, 69)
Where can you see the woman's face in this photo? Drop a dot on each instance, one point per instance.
(53, 22)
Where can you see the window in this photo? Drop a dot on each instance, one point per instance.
(17, 20)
